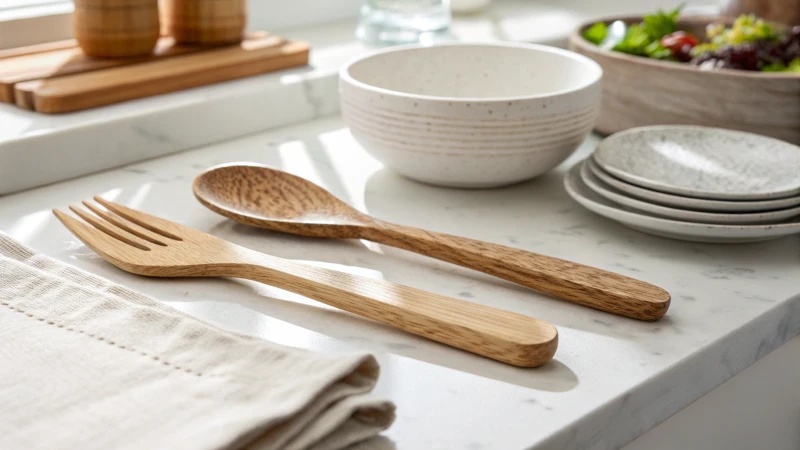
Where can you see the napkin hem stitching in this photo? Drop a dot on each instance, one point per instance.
(102, 339)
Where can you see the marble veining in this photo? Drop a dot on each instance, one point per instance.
(612, 378)
(54, 148)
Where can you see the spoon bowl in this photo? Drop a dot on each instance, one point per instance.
(261, 196)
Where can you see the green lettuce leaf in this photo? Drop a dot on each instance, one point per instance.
(644, 38)
(596, 33)
(793, 66)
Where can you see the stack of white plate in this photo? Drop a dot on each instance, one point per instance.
(693, 183)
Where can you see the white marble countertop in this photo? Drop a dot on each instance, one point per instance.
(612, 378)
(36, 149)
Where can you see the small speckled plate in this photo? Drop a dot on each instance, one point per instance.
(694, 204)
(703, 162)
(681, 214)
(675, 229)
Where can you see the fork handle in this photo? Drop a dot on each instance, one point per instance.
(501, 335)
(589, 286)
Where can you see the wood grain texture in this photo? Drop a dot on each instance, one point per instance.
(69, 61)
(117, 84)
(116, 29)
(61, 62)
(639, 91)
(151, 246)
(206, 22)
(38, 48)
(269, 198)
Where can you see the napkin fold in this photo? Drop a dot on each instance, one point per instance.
(88, 364)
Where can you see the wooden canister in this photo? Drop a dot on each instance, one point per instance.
(116, 28)
(205, 22)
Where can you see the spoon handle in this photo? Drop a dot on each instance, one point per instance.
(501, 335)
(589, 286)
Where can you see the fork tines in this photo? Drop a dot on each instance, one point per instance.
(116, 223)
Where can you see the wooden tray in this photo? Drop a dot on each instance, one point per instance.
(38, 48)
(65, 79)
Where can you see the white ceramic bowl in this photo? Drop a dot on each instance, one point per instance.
(471, 115)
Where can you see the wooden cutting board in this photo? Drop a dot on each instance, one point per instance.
(67, 61)
(38, 48)
(113, 85)
(57, 77)
(61, 58)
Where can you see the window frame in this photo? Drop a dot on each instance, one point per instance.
(21, 26)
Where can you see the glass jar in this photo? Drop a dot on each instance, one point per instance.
(391, 22)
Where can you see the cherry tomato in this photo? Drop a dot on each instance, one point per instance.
(678, 39)
(679, 43)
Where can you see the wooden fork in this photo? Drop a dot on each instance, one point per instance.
(147, 245)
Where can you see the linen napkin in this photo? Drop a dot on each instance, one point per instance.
(87, 364)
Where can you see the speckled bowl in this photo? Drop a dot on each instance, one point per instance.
(471, 115)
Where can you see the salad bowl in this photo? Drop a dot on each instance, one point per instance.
(641, 91)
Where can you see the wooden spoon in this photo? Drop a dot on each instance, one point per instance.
(269, 198)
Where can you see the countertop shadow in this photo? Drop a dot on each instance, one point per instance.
(359, 259)
(553, 376)
(374, 443)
